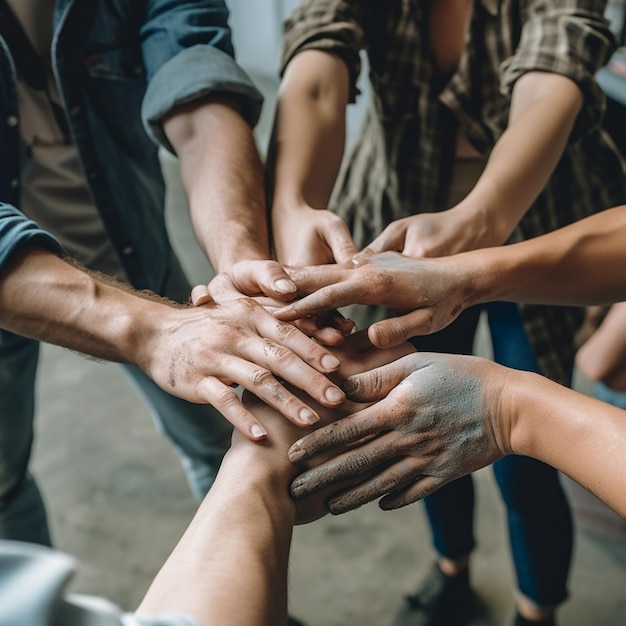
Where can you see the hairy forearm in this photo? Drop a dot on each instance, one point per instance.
(544, 108)
(230, 567)
(47, 298)
(309, 133)
(576, 265)
(584, 438)
(222, 175)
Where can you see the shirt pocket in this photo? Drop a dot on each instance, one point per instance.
(116, 84)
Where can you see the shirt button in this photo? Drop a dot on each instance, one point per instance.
(12, 120)
(15, 183)
(74, 111)
(128, 250)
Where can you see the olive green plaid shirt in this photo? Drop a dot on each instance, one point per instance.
(402, 162)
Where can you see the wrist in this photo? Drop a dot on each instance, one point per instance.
(288, 202)
(519, 409)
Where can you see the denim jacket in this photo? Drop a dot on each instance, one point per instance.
(121, 67)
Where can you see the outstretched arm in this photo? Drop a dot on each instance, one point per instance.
(544, 107)
(439, 417)
(230, 567)
(306, 152)
(193, 353)
(576, 265)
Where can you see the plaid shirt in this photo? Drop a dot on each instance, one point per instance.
(403, 161)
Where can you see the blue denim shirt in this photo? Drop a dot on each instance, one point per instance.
(121, 67)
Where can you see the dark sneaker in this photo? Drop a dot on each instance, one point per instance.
(440, 601)
(292, 621)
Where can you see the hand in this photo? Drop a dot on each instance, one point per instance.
(603, 356)
(426, 294)
(434, 234)
(198, 353)
(355, 355)
(435, 419)
(306, 236)
(247, 278)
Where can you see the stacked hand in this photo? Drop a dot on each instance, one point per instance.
(434, 419)
(356, 355)
(426, 294)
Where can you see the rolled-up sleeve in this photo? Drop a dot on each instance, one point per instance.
(16, 230)
(567, 37)
(188, 54)
(333, 26)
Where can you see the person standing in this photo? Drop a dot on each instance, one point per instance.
(88, 91)
(483, 128)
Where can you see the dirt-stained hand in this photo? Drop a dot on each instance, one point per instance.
(432, 421)
(425, 294)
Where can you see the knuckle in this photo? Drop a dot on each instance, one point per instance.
(357, 463)
(286, 331)
(226, 398)
(261, 377)
(275, 352)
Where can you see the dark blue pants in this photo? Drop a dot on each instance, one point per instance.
(539, 519)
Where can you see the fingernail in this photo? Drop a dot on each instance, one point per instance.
(308, 417)
(349, 386)
(297, 489)
(284, 285)
(334, 395)
(337, 507)
(296, 454)
(257, 432)
(329, 362)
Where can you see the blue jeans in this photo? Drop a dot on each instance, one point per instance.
(199, 433)
(539, 518)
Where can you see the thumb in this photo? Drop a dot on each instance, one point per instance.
(263, 277)
(200, 295)
(341, 243)
(377, 383)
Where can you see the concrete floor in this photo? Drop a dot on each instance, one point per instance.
(118, 501)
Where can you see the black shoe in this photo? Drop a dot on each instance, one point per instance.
(292, 621)
(441, 601)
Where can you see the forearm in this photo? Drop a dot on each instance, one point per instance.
(544, 108)
(222, 175)
(584, 438)
(309, 133)
(603, 356)
(230, 567)
(576, 265)
(46, 298)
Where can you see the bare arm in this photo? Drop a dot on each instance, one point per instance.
(230, 566)
(438, 417)
(576, 265)
(603, 356)
(543, 110)
(308, 145)
(223, 177)
(193, 353)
